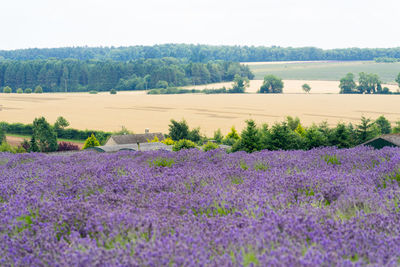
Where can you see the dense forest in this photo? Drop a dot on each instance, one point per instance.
(202, 53)
(74, 75)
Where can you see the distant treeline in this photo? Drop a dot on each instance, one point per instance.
(74, 75)
(202, 53)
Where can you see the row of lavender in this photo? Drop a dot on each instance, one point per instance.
(192, 208)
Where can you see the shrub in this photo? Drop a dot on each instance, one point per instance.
(218, 137)
(19, 91)
(2, 135)
(26, 145)
(168, 141)
(155, 140)
(233, 134)
(28, 91)
(6, 147)
(7, 90)
(38, 89)
(67, 146)
(161, 162)
(113, 92)
(183, 144)
(332, 160)
(91, 142)
(93, 92)
(210, 146)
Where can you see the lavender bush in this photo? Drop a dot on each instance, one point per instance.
(324, 207)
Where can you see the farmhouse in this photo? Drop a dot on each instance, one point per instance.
(132, 147)
(392, 140)
(137, 139)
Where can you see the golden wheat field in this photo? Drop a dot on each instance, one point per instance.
(137, 111)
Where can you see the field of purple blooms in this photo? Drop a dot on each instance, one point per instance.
(190, 208)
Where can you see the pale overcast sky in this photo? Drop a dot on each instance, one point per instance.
(296, 23)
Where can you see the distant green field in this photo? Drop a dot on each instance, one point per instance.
(330, 71)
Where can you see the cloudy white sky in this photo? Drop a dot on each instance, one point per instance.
(296, 23)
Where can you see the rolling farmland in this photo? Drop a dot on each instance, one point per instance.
(324, 70)
(137, 111)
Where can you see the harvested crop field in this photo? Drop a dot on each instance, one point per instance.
(137, 111)
(16, 141)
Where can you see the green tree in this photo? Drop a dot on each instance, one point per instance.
(60, 124)
(239, 84)
(113, 91)
(28, 91)
(7, 90)
(271, 84)
(91, 141)
(178, 130)
(233, 134)
(44, 135)
(365, 130)
(282, 137)
(315, 138)
(369, 83)
(33, 147)
(2, 135)
(19, 91)
(293, 123)
(383, 125)
(232, 137)
(194, 135)
(306, 88)
(250, 138)
(347, 84)
(341, 137)
(265, 136)
(38, 89)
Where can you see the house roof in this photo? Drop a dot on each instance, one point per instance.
(136, 138)
(392, 138)
(133, 147)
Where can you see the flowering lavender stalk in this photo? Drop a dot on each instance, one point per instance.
(325, 207)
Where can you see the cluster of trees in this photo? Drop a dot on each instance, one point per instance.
(288, 135)
(291, 135)
(73, 75)
(368, 83)
(271, 84)
(59, 127)
(202, 53)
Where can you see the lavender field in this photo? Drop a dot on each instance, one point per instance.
(324, 207)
